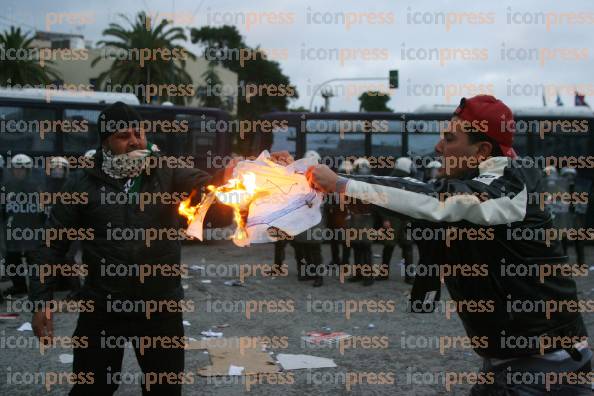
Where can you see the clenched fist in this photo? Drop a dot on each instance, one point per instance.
(322, 178)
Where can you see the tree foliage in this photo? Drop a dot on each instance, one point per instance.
(26, 69)
(374, 101)
(262, 85)
(159, 70)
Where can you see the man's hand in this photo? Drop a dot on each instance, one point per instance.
(281, 158)
(42, 323)
(322, 178)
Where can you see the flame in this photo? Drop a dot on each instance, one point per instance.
(189, 212)
(237, 193)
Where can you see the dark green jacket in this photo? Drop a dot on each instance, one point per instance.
(112, 226)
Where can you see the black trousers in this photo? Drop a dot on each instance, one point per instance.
(103, 358)
(279, 252)
(14, 259)
(309, 258)
(407, 253)
(363, 255)
(579, 250)
(338, 247)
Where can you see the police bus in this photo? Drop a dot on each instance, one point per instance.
(540, 132)
(547, 132)
(45, 123)
(40, 122)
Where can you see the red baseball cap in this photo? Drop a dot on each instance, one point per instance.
(500, 120)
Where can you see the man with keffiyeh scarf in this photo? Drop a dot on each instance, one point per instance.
(115, 301)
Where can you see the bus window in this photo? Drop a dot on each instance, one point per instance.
(388, 143)
(202, 138)
(566, 142)
(423, 135)
(79, 141)
(561, 144)
(335, 145)
(284, 139)
(422, 144)
(335, 138)
(19, 129)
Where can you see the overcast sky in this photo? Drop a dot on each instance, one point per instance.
(482, 29)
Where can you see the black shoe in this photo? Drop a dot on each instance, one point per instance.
(384, 273)
(319, 281)
(302, 274)
(15, 291)
(368, 281)
(383, 277)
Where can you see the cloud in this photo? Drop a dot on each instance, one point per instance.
(329, 40)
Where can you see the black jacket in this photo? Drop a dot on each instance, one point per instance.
(114, 234)
(499, 206)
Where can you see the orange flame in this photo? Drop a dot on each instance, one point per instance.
(237, 193)
(189, 212)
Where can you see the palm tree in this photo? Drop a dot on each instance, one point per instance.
(22, 68)
(141, 34)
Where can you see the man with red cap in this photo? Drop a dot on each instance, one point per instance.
(490, 246)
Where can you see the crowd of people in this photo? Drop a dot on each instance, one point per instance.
(20, 209)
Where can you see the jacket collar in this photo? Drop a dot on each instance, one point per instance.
(494, 165)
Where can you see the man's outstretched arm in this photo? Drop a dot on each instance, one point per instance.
(496, 197)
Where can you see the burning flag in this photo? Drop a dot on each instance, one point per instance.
(263, 194)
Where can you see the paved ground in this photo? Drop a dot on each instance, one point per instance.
(397, 359)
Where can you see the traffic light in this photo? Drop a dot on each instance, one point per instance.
(393, 79)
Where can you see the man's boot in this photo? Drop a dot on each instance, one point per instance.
(409, 271)
(368, 280)
(357, 277)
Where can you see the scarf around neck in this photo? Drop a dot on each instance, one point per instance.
(127, 165)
